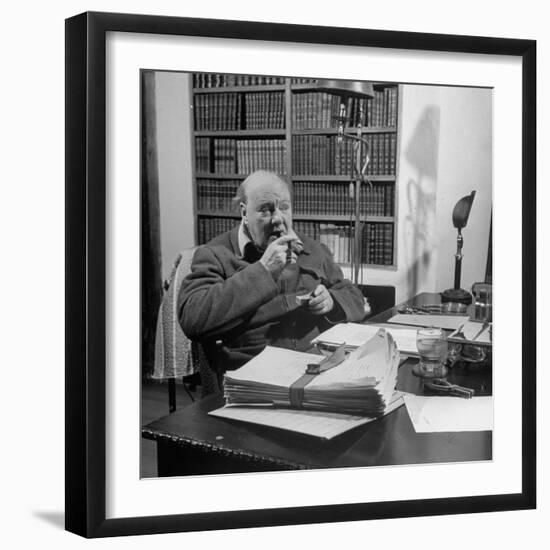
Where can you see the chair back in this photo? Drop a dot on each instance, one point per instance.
(175, 354)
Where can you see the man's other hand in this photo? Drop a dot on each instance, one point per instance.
(321, 301)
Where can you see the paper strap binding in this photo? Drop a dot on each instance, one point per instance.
(297, 389)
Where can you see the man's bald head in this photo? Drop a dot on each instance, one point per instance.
(260, 179)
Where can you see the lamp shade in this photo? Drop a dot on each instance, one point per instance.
(461, 211)
(345, 88)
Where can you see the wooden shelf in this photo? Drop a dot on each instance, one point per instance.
(219, 176)
(312, 86)
(341, 178)
(282, 132)
(339, 218)
(233, 89)
(212, 214)
(391, 267)
(241, 133)
(351, 130)
(299, 217)
(304, 177)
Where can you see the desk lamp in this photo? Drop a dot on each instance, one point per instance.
(461, 213)
(346, 89)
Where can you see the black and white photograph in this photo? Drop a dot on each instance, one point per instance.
(301, 275)
(273, 274)
(316, 273)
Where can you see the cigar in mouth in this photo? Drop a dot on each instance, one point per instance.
(288, 252)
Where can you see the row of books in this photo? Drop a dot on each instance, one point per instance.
(202, 155)
(377, 242)
(221, 80)
(208, 228)
(319, 109)
(315, 155)
(314, 110)
(297, 80)
(224, 156)
(217, 195)
(381, 110)
(339, 239)
(308, 197)
(218, 111)
(336, 198)
(264, 110)
(323, 155)
(240, 156)
(239, 111)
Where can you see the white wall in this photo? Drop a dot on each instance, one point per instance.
(444, 153)
(174, 161)
(465, 164)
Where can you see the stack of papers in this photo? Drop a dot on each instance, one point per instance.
(354, 335)
(363, 384)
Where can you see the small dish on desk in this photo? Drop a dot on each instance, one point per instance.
(453, 307)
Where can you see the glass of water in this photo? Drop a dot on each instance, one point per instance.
(431, 343)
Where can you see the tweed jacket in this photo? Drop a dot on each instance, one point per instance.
(235, 299)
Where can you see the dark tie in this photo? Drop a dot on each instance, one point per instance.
(252, 253)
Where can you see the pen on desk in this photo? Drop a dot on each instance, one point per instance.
(459, 333)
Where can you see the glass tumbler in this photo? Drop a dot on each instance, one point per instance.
(432, 348)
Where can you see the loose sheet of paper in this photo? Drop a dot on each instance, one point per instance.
(475, 332)
(324, 425)
(354, 335)
(450, 414)
(449, 322)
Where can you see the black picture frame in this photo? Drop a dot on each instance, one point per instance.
(86, 263)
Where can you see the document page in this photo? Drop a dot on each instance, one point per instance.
(448, 322)
(355, 334)
(474, 331)
(275, 366)
(450, 414)
(325, 425)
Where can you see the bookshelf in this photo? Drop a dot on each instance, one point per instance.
(244, 123)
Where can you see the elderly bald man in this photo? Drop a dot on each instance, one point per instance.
(262, 283)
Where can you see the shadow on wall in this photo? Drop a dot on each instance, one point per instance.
(422, 153)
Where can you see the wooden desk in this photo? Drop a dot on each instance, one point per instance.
(192, 442)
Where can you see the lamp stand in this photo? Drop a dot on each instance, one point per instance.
(357, 178)
(457, 294)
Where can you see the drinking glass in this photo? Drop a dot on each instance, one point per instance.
(431, 343)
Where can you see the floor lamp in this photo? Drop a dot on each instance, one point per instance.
(344, 90)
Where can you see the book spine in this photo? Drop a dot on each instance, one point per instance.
(335, 249)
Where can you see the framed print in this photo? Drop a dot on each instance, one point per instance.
(243, 200)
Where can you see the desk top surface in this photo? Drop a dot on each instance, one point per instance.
(390, 440)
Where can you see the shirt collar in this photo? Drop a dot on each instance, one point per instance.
(243, 239)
